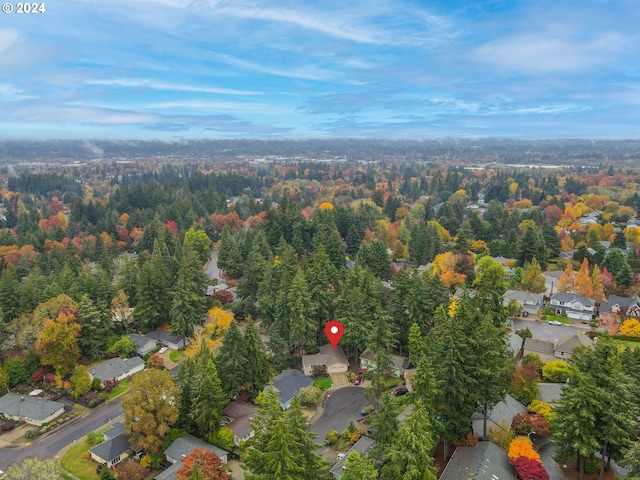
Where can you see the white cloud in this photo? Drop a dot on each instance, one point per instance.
(156, 85)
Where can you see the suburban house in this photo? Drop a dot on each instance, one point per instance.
(577, 307)
(550, 392)
(180, 448)
(560, 349)
(241, 415)
(514, 342)
(118, 368)
(287, 384)
(363, 445)
(529, 303)
(335, 361)
(617, 309)
(499, 417)
(483, 462)
(174, 342)
(143, 344)
(551, 281)
(33, 410)
(115, 447)
(399, 363)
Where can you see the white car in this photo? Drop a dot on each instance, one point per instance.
(163, 349)
(341, 456)
(555, 322)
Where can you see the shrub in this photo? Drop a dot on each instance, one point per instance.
(525, 423)
(556, 371)
(32, 432)
(529, 469)
(6, 426)
(96, 384)
(502, 437)
(332, 437)
(469, 441)
(155, 361)
(354, 436)
(542, 408)
(351, 377)
(309, 396)
(93, 438)
(522, 447)
(92, 403)
(223, 438)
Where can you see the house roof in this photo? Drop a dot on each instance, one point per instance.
(140, 340)
(183, 446)
(522, 296)
(550, 392)
(571, 297)
(241, 426)
(290, 382)
(14, 405)
(398, 361)
(164, 336)
(115, 367)
(568, 343)
(238, 408)
(500, 415)
(615, 300)
(363, 445)
(539, 346)
(514, 341)
(484, 462)
(112, 448)
(327, 356)
(169, 473)
(114, 431)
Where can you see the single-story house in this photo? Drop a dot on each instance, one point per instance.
(363, 445)
(287, 384)
(115, 447)
(577, 307)
(514, 342)
(550, 392)
(399, 363)
(335, 361)
(174, 342)
(560, 349)
(143, 344)
(33, 410)
(617, 309)
(241, 415)
(180, 448)
(500, 416)
(531, 303)
(118, 368)
(486, 461)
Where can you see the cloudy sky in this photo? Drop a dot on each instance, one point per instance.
(168, 69)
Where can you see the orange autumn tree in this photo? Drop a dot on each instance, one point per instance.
(203, 464)
(58, 344)
(565, 284)
(445, 265)
(522, 447)
(582, 284)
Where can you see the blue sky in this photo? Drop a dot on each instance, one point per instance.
(172, 69)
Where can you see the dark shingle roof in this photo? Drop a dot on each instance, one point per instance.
(605, 307)
(115, 367)
(111, 448)
(183, 446)
(363, 445)
(570, 342)
(14, 405)
(114, 431)
(289, 382)
(570, 297)
(139, 340)
(164, 336)
(539, 346)
(484, 462)
(550, 392)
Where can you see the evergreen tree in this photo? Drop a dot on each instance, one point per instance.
(152, 293)
(411, 455)
(529, 246)
(303, 327)
(33, 287)
(617, 264)
(322, 280)
(415, 343)
(385, 423)
(551, 239)
(299, 425)
(227, 246)
(489, 288)
(358, 467)
(232, 361)
(97, 329)
(208, 399)
(10, 294)
(620, 241)
(187, 305)
(257, 365)
(380, 343)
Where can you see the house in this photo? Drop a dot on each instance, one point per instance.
(551, 281)
(560, 349)
(287, 384)
(616, 309)
(143, 344)
(528, 302)
(486, 461)
(514, 342)
(174, 342)
(118, 368)
(577, 307)
(499, 417)
(33, 410)
(363, 445)
(335, 361)
(550, 392)
(399, 363)
(241, 415)
(180, 448)
(115, 447)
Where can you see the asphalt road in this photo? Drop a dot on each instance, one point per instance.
(341, 407)
(543, 331)
(211, 269)
(50, 446)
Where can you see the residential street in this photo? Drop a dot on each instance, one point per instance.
(543, 331)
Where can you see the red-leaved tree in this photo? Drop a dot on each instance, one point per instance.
(132, 470)
(525, 423)
(529, 469)
(205, 462)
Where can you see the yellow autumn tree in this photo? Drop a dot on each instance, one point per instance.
(565, 284)
(582, 284)
(212, 333)
(630, 327)
(444, 265)
(598, 287)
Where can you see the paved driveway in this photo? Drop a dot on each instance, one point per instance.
(342, 406)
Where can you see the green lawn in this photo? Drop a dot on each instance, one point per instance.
(564, 320)
(83, 468)
(627, 343)
(176, 356)
(124, 385)
(323, 383)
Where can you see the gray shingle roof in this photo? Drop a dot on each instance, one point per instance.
(289, 382)
(114, 431)
(363, 445)
(570, 297)
(183, 446)
(570, 342)
(550, 392)
(112, 448)
(14, 405)
(539, 346)
(484, 462)
(164, 336)
(515, 342)
(115, 367)
(140, 340)
(499, 416)
(327, 356)
(605, 307)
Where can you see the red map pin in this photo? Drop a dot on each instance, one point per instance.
(334, 330)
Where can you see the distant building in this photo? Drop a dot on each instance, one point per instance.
(287, 384)
(335, 361)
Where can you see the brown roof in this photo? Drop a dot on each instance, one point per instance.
(237, 409)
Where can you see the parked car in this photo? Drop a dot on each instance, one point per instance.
(358, 380)
(371, 430)
(163, 349)
(368, 410)
(341, 455)
(555, 322)
(398, 392)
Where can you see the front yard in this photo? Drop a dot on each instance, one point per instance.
(74, 462)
